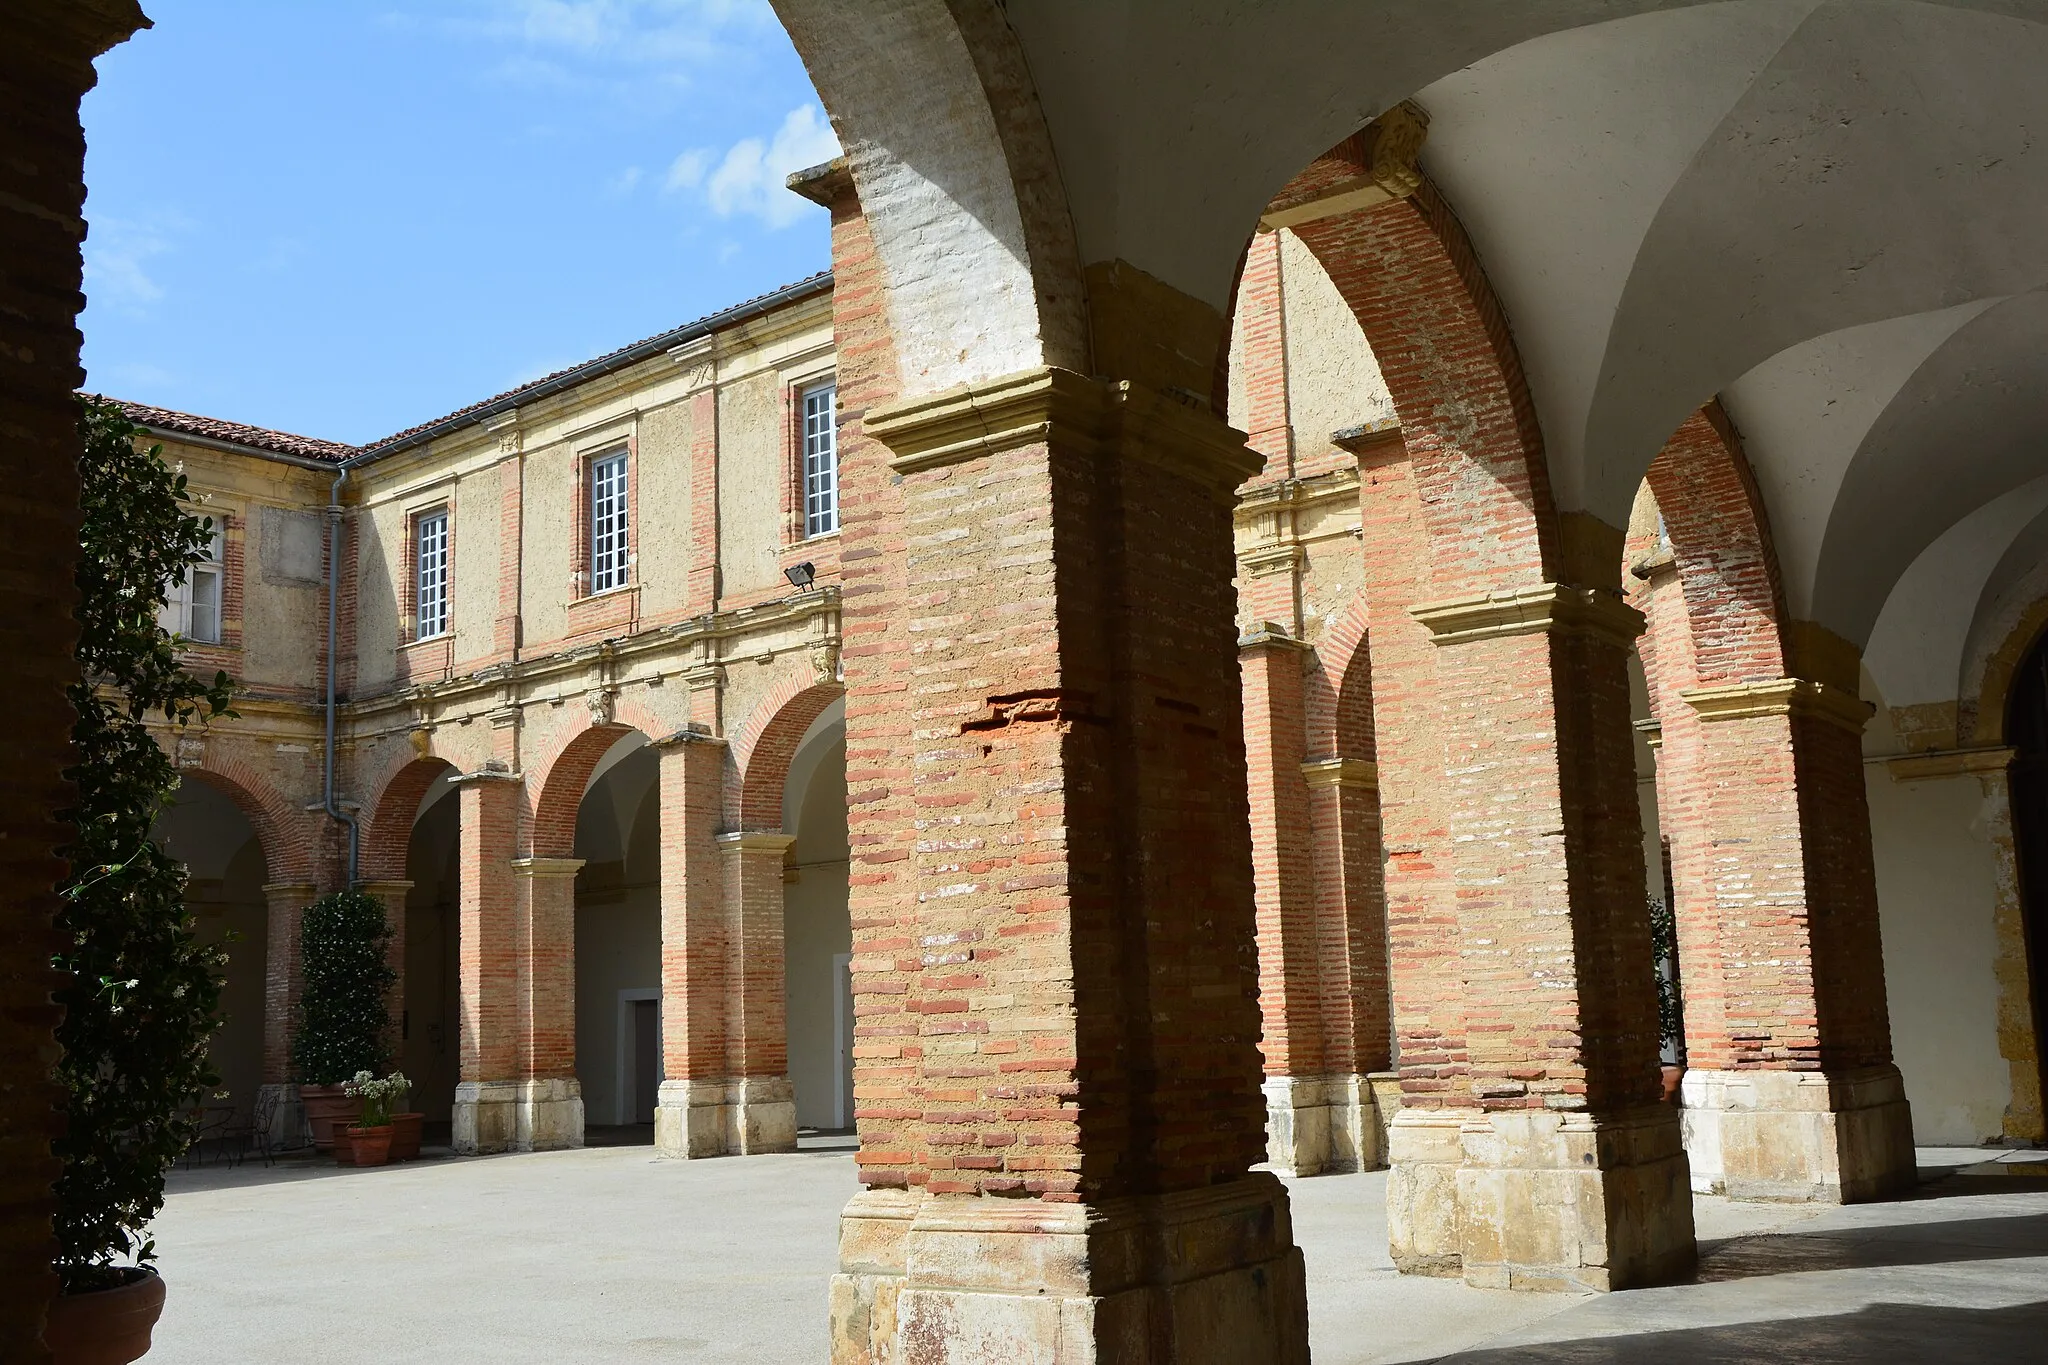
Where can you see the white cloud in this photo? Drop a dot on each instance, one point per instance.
(686, 172)
(572, 42)
(116, 255)
(749, 178)
(625, 181)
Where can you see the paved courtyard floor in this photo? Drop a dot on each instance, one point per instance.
(607, 1254)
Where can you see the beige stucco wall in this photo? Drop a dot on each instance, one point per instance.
(476, 513)
(1332, 379)
(750, 477)
(665, 514)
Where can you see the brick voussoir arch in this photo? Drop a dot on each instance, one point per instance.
(1411, 278)
(765, 744)
(556, 789)
(1338, 696)
(1721, 544)
(388, 840)
(287, 836)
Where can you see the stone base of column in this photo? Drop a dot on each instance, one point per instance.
(1201, 1275)
(1575, 1201)
(1835, 1137)
(287, 1116)
(549, 1115)
(1425, 1148)
(725, 1118)
(1318, 1125)
(486, 1117)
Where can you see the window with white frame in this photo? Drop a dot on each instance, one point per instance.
(430, 573)
(192, 604)
(821, 460)
(608, 522)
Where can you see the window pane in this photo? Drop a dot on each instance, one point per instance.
(205, 605)
(821, 461)
(608, 523)
(432, 559)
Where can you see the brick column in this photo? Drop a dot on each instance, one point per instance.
(1351, 937)
(549, 1112)
(760, 1106)
(1424, 1137)
(487, 1095)
(1303, 1099)
(690, 1118)
(391, 895)
(1073, 1006)
(285, 903)
(1790, 1090)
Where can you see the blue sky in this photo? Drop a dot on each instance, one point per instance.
(342, 217)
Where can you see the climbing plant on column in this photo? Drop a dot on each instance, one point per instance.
(142, 993)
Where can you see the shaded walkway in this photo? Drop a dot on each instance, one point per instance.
(610, 1254)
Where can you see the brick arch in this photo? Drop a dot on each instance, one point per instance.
(558, 795)
(388, 840)
(1412, 280)
(1721, 545)
(283, 833)
(765, 745)
(2000, 666)
(1337, 695)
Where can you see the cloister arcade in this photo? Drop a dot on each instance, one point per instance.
(1699, 509)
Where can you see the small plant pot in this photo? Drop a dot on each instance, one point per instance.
(328, 1110)
(370, 1146)
(106, 1326)
(405, 1136)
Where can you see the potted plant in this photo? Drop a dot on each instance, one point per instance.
(1670, 1002)
(370, 1141)
(344, 1025)
(405, 1127)
(141, 994)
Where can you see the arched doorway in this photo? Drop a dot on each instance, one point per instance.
(2026, 729)
(429, 1023)
(817, 930)
(224, 890)
(618, 944)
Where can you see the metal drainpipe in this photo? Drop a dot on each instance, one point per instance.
(335, 812)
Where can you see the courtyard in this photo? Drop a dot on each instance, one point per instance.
(608, 1254)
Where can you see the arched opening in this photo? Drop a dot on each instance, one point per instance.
(817, 930)
(206, 830)
(618, 943)
(429, 1023)
(2026, 728)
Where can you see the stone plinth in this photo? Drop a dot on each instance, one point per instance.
(699, 1118)
(1319, 1125)
(1838, 1137)
(1199, 1275)
(1425, 1148)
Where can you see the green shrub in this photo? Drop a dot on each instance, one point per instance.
(344, 1026)
(142, 994)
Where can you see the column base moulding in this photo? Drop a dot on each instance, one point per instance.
(744, 1117)
(1539, 1200)
(1198, 1275)
(517, 1116)
(1321, 1125)
(1831, 1137)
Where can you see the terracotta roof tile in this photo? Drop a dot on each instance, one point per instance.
(166, 422)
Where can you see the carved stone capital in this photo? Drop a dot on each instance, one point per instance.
(1781, 697)
(1384, 163)
(547, 867)
(1059, 408)
(1939, 763)
(1359, 773)
(1270, 635)
(1544, 609)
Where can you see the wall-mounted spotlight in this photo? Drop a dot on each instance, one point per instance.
(800, 575)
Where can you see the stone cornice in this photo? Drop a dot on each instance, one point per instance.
(1366, 436)
(1270, 635)
(1266, 498)
(1060, 408)
(1544, 609)
(1387, 172)
(1287, 557)
(1342, 772)
(757, 840)
(487, 775)
(690, 736)
(1940, 763)
(547, 867)
(1781, 697)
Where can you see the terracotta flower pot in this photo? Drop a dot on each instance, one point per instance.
(405, 1136)
(1673, 1075)
(370, 1146)
(106, 1326)
(344, 1146)
(327, 1107)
